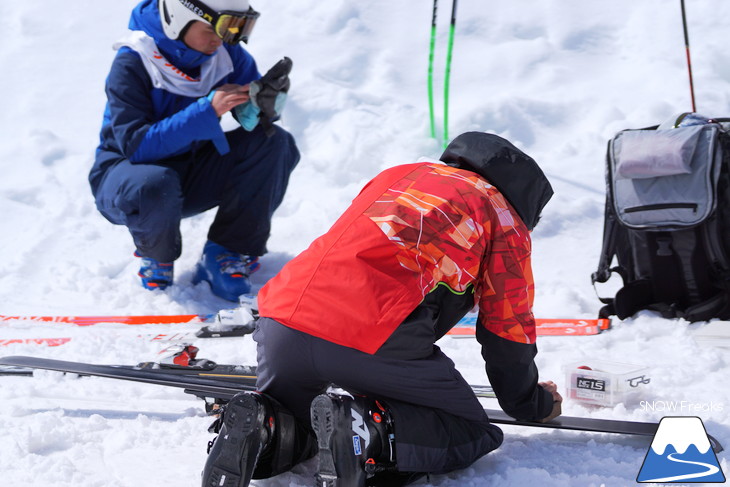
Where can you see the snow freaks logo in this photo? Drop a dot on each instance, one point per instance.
(680, 452)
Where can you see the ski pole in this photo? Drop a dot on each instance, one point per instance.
(689, 62)
(430, 70)
(447, 76)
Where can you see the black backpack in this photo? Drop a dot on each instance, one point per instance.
(667, 220)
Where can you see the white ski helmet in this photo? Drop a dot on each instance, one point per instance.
(232, 20)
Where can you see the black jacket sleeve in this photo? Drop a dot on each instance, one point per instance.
(513, 375)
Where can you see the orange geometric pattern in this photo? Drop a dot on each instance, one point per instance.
(451, 227)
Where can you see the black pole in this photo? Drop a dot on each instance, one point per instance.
(689, 62)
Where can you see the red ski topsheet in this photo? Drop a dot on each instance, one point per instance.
(544, 326)
(464, 329)
(49, 342)
(126, 320)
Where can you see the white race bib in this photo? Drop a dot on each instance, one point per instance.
(168, 77)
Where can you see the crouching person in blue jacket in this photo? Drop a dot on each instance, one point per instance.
(163, 154)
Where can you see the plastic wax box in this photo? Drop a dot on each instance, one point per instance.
(604, 383)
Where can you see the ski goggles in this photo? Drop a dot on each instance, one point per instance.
(232, 27)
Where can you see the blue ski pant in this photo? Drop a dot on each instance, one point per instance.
(440, 426)
(247, 185)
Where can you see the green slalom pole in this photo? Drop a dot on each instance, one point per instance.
(430, 70)
(447, 76)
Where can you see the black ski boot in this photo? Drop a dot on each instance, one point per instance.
(355, 440)
(243, 433)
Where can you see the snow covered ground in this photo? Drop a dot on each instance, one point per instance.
(557, 77)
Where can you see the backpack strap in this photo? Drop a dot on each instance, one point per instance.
(638, 294)
(715, 307)
(629, 299)
(612, 234)
(604, 271)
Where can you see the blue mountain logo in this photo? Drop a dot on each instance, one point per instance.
(681, 452)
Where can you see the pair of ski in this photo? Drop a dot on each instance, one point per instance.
(239, 322)
(208, 380)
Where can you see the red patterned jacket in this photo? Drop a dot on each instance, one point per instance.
(411, 229)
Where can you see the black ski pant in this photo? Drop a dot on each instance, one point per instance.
(247, 185)
(440, 425)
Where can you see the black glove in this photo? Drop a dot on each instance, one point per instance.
(269, 93)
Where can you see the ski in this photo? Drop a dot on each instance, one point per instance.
(58, 341)
(243, 314)
(226, 323)
(204, 332)
(713, 334)
(125, 320)
(16, 371)
(47, 342)
(239, 374)
(544, 326)
(240, 322)
(205, 379)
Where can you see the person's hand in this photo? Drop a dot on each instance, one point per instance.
(229, 96)
(557, 400)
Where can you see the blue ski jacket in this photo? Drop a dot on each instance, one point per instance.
(145, 124)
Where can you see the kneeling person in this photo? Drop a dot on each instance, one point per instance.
(363, 306)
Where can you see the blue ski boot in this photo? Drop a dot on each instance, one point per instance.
(155, 274)
(227, 272)
(355, 439)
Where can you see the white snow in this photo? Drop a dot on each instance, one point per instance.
(556, 77)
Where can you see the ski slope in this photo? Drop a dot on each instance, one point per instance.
(557, 78)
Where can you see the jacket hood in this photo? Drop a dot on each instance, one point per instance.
(515, 174)
(146, 17)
